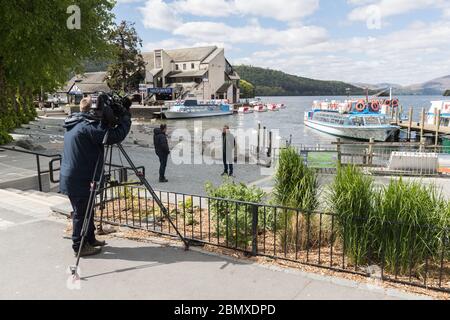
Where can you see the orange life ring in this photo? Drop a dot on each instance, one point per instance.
(375, 106)
(387, 102)
(447, 106)
(360, 106)
(334, 106)
(395, 103)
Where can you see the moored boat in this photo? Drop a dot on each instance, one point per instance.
(442, 108)
(356, 119)
(192, 109)
(273, 107)
(260, 108)
(245, 110)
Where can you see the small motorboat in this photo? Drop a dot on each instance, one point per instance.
(260, 108)
(273, 107)
(245, 110)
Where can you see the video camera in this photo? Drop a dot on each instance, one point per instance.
(110, 108)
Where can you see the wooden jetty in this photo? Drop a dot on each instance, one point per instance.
(422, 127)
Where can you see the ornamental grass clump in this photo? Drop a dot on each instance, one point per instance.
(351, 199)
(410, 226)
(296, 186)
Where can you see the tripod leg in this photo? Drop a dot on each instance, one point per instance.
(153, 193)
(104, 194)
(90, 207)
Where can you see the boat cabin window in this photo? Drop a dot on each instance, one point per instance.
(372, 121)
(357, 121)
(190, 103)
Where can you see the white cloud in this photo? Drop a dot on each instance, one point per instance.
(157, 14)
(413, 55)
(252, 33)
(390, 7)
(282, 10)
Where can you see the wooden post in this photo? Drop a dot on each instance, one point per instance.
(397, 118)
(401, 111)
(435, 115)
(371, 145)
(422, 144)
(338, 149)
(264, 144)
(258, 146)
(422, 124)
(438, 124)
(269, 152)
(410, 123)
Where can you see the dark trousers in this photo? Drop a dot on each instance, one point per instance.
(79, 206)
(228, 167)
(162, 165)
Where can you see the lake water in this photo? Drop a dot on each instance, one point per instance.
(290, 121)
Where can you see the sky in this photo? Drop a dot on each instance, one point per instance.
(359, 41)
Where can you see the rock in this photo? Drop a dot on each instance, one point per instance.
(25, 144)
(28, 145)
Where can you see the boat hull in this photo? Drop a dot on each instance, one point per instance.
(378, 133)
(195, 114)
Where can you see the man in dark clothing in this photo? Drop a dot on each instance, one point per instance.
(228, 146)
(82, 149)
(162, 150)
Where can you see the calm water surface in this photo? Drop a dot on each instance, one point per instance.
(290, 121)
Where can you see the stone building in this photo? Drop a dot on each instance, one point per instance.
(201, 73)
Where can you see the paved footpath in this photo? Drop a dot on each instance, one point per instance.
(34, 257)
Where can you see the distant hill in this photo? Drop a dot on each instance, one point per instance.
(434, 87)
(270, 82)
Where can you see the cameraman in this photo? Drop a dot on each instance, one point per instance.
(83, 146)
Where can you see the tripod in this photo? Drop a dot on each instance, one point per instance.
(97, 184)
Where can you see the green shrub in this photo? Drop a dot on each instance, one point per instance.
(409, 225)
(233, 221)
(351, 199)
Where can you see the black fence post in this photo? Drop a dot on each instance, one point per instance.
(38, 165)
(255, 210)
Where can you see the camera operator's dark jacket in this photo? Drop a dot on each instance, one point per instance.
(161, 143)
(82, 147)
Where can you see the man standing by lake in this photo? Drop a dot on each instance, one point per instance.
(228, 145)
(162, 150)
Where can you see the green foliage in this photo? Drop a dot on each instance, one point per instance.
(234, 220)
(128, 69)
(399, 227)
(409, 226)
(247, 89)
(352, 201)
(38, 51)
(276, 83)
(296, 186)
(447, 93)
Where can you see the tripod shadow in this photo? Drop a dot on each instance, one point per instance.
(154, 256)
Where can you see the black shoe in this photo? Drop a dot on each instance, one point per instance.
(224, 174)
(163, 180)
(87, 251)
(98, 243)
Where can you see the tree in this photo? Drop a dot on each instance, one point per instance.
(447, 93)
(247, 89)
(38, 49)
(128, 70)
